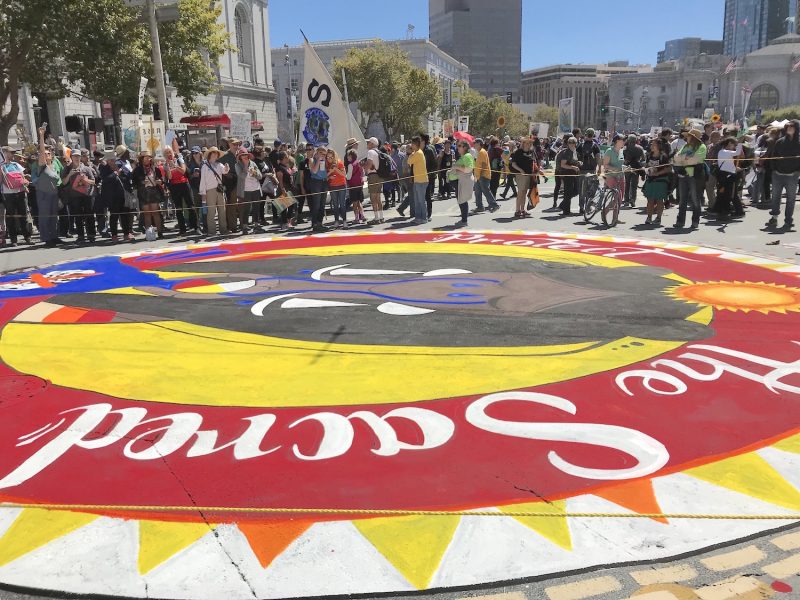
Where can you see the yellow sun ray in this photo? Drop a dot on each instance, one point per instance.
(161, 540)
(124, 291)
(751, 475)
(35, 527)
(790, 444)
(414, 545)
(555, 530)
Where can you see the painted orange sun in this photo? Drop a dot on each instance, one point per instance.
(742, 296)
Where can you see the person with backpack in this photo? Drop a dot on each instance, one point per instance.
(444, 162)
(373, 169)
(569, 167)
(523, 164)
(495, 163)
(13, 213)
(355, 185)
(80, 184)
(430, 166)
(416, 161)
(212, 191)
(482, 186)
(633, 158)
(690, 163)
(785, 174)
(317, 188)
(589, 157)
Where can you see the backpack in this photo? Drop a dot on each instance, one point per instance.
(588, 156)
(386, 167)
(14, 180)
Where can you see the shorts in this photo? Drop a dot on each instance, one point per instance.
(374, 183)
(356, 194)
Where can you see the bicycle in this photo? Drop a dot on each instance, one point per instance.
(605, 200)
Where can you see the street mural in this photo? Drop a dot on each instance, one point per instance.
(154, 402)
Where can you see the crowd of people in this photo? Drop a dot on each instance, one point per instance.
(67, 194)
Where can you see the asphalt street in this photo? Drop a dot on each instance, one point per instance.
(747, 235)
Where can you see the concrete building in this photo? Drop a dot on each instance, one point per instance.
(664, 97)
(424, 54)
(752, 24)
(244, 79)
(587, 84)
(486, 36)
(686, 88)
(768, 72)
(686, 47)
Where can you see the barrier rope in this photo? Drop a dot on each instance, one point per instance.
(236, 203)
(394, 512)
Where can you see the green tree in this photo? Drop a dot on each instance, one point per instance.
(100, 48)
(780, 114)
(388, 87)
(547, 114)
(484, 115)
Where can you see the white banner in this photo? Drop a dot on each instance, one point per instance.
(142, 88)
(463, 123)
(566, 115)
(540, 130)
(240, 128)
(325, 118)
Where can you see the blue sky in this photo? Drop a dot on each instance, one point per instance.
(590, 32)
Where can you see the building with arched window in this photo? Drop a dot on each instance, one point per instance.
(768, 73)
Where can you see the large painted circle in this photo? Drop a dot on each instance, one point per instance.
(390, 371)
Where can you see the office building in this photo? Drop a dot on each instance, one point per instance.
(486, 36)
(752, 24)
(422, 53)
(686, 47)
(587, 84)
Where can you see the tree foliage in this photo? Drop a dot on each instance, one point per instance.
(100, 48)
(547, 114)
(781, 114)
(484, 114)
(388, 87)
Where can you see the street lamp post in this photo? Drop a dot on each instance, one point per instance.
(158, 67)
(289, 88)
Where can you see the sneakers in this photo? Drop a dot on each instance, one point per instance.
(493, 208)
(461, 223)
(773, 222)
(401, 213)
(657, 221)
(648, 221)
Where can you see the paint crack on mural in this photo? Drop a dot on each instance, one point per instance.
(211, 528)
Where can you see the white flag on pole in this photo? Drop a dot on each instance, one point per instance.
(325, 118)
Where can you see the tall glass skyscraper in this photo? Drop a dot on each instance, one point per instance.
(486, 36)
(752, 24)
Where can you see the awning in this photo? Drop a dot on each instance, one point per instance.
(207, 121)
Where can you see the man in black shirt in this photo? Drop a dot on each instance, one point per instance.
(430, 164)
(273, 156)
(633, 156)
(522, 165)
(589, 156)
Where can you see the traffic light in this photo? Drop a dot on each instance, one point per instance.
(74, 123)
(509, 97)
(603, 109)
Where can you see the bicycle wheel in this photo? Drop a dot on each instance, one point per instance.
(592, 202)
(611, 203)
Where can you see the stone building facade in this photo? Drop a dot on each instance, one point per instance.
(244, 79)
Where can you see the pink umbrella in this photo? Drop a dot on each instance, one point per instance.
(463, 135)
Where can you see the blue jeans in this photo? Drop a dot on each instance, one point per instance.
(781, 181)
(687, 191)
(420, 205)
(481, 188)
(339, 204)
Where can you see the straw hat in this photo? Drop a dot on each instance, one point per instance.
(120, 150)
(145, 154)
(696, 134)
(351, 142)
(210, 151)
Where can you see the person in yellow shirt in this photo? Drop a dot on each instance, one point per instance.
(416, 163)
(483, 176)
